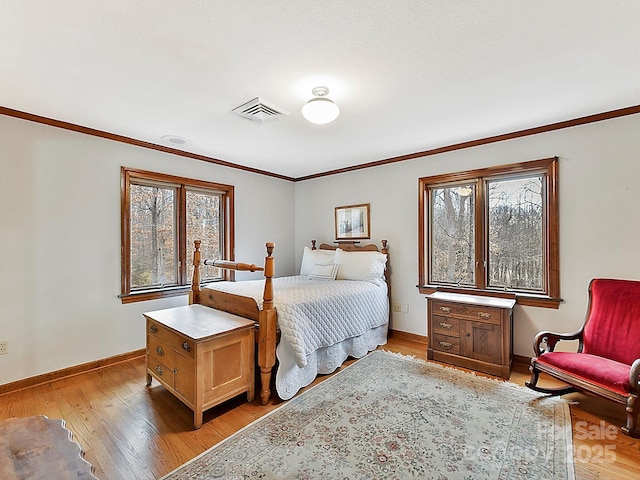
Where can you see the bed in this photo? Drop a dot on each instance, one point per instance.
(337, 307)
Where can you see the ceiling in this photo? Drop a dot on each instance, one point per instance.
(409, 76)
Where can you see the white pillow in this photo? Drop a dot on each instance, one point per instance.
(313, 257)
(323, 272)
(364, 266)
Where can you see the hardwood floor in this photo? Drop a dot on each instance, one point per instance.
(129, 431)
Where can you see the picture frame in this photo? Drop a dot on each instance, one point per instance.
(352, 222)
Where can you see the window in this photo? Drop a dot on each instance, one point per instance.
(493, 231)
(162, 215)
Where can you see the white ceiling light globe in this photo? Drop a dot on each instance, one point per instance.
(320, 109)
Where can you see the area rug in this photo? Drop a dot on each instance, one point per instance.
(395, 417)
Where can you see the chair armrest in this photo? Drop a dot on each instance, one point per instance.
(634, 377)
(546, 341)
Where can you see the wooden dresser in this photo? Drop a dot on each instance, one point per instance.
(201, 355)
(471, 331)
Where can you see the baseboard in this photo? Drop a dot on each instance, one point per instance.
(87, 367)
(522, 360)
(412, 337)
(69, 372)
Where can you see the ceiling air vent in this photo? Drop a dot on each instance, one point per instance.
(259, 110)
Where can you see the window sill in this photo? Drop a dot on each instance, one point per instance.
(531, 300)
(144, 295)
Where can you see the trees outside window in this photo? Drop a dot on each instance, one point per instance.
(515, 209)
(493, 230)
(161, 217)
(453, 234)
(153, 235)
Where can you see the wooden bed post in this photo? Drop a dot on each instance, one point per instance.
(195, 282)
(385, 250)
(267, 328)
(387, 278)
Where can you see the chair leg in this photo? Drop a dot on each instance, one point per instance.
(535, 373)
(632, 417)
(533, 384)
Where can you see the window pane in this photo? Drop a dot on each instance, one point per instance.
(203, 223)
(516, 233)
(153, 234)
(453, 234)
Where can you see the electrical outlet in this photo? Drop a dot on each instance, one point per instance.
(400, 308)
(4, 347)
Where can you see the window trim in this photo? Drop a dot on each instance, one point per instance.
(127, 175)
(549, 167)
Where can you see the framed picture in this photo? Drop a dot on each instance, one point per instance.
(352, 222)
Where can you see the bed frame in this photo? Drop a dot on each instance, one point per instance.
(247, 307)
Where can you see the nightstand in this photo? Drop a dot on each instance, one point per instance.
(201, 355)
(471, 331)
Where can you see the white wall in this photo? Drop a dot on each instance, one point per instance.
(599, 194)
(60, 242)
(60, 230)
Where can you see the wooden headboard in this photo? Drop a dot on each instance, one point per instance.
(351, 246)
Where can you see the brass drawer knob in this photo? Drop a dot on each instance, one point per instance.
(160, 351)
(446, 345)
(445, 309)
(445, 326)
(159, 370)
(153, 329)
(186, 347)
(484, 315)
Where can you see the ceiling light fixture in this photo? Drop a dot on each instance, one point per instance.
(320, 109)
(175, 140)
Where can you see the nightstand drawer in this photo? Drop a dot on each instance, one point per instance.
(182, 345)
(470, 312)
(160, 370)
(446, 326)
(447, 344)
(160, 350)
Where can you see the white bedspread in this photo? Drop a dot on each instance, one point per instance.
(290, 377)
(313, 314)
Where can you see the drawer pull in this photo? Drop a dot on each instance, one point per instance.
(446, 345)
(445, 326)
(186, 346)
(153, 329)
(484, 315)
(445, 309)
(159, 370)
(160, 351)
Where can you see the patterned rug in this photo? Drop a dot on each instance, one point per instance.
(394, 417)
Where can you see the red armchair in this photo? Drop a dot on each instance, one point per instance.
(607, 362)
